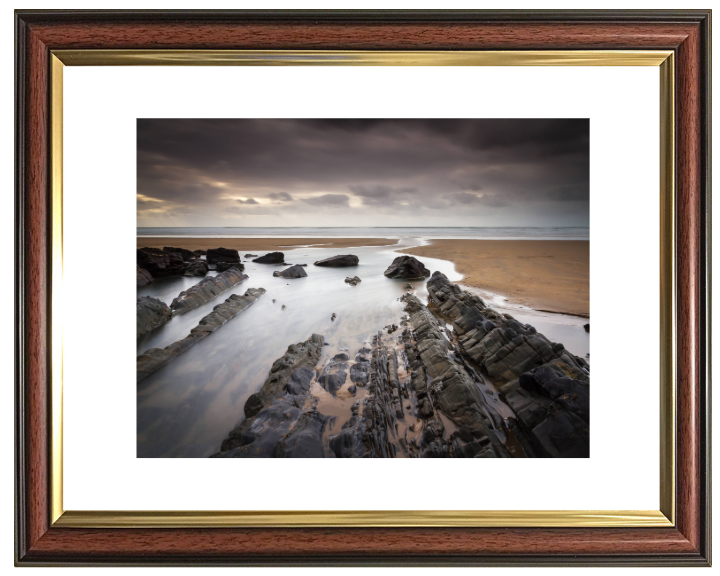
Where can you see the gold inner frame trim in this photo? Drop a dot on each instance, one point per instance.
(368, 519)
(663, 517)
(361, 58)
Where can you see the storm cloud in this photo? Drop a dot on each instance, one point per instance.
(444, 172)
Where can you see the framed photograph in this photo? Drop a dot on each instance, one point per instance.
(368, 246)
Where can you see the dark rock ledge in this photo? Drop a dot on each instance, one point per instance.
(159, 263)
(206, 290)
(151, 313)
(546, 386)
(280, 420)
(154, 358)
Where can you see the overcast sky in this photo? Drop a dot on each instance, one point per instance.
(363, 172)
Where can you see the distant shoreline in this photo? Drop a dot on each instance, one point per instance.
(258, 243)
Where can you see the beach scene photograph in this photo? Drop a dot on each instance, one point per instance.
(363, 288)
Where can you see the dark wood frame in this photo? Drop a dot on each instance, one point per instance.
(687, 33)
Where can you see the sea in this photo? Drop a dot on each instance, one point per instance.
(483, 233)
(186, 408)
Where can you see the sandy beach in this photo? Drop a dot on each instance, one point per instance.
(260, 244)
(548, 275)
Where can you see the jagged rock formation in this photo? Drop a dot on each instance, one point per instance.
(407, 267)
(280, 420)
(342, 261)
(159, 263)
(546, 386)
(271, 258)
(427, 392)
(196, 268)
(206, 290)
(354, 281)
(186, 255)
(154, 358)
(442, 382)
(296, 271)
(143, 277)
(224, 258)
(151, 313)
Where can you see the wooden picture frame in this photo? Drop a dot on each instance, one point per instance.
(46, 534)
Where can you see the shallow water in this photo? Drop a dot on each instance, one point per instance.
(189, 406)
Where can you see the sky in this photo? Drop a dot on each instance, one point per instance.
(429, 172)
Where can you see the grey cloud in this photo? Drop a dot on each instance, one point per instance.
(328, 200)
(249, 201)
(380, 194)
(280, 196)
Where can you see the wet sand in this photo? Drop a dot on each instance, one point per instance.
(260, 244)
(547, 275)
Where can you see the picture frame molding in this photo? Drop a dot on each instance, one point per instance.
(677, 534)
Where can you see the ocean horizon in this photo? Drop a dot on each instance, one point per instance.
(482, 233)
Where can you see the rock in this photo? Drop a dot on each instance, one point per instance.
(151, 313)
(333, 376)
(332, 318)
(159, 263)
(274, 425)
(360, 373)
(224, 259)
(206, 290)
(497, 342)
(353, 281)
(196, 268)
(299, 381)
(339, 261)
(186, 255)
(143, 277)
(200, 252)
(215, 255)
(407, 267)
(154, 358)
(271, 258)
(283, 307)
(587, 327)
(408, 287)
(222, 266)
(546, 386)
(250, 255)
(292, 272)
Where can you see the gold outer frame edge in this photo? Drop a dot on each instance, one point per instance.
(664, 517)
